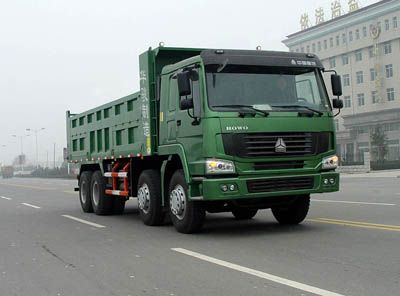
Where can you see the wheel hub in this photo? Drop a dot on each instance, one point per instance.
(177, 201)
(83, 191)
(96, 193)
(144, 198)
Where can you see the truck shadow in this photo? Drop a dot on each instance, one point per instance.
(223, 224)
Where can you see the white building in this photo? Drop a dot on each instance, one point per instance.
(363, 46)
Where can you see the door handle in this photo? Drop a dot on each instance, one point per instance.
(178, 122)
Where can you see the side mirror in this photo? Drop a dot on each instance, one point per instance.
(336, 85)
(184, 86)
(186, 104)
(337, 104)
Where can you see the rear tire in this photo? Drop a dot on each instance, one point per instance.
(85, 192)
(101, 202)
(149, 198)
(118, 205)
(294, 213)
(186, 215)
(244, 213)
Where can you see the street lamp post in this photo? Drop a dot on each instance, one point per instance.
(22, 147)
(36, 140)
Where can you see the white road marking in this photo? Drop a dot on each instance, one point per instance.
(84, 221)
(260, 274)
(29, 205)
(354, 202)
(7, 198)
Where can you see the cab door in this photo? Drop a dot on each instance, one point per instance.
(189, 130)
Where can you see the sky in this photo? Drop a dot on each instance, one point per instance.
(75, 55)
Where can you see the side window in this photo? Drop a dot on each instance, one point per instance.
(173, 94)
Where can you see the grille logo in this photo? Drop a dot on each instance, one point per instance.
(280, 146)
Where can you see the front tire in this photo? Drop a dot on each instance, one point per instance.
(149, 198)
(294, 213)
(85, 192)
(186, 215)
(101, 202)
(244, 213)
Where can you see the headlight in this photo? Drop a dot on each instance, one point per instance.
(330, 162)
(218, 166)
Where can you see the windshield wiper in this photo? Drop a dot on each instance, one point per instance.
(243, 112)
(300, 106)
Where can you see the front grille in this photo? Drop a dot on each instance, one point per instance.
(277, 165)
(265, 144)
(281, 184)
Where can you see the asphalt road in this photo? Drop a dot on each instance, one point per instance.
(349, 245)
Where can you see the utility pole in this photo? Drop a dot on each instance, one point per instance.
(36, 139)
(54, 156)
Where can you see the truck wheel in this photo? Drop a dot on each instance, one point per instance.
(149, 198)
(101, 202)
(295, 213)
(244, 213)
(84, 192)
(118, 205)
(187, 216)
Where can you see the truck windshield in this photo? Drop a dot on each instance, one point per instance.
(265, 88)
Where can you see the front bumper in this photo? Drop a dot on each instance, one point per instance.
(212, 189)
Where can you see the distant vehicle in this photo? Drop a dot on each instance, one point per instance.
(211, 131)
(7, 171)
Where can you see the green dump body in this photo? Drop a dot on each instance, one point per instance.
(126, 126)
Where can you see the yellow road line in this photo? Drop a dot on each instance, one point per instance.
(29, 186)
(357, 224)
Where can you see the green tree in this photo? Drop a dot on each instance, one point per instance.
(379, 143)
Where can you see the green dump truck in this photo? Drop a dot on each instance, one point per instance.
(210, 131)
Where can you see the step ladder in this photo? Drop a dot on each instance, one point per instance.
(115, 175)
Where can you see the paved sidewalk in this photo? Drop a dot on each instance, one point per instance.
(373, 174)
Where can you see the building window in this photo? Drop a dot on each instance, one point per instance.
(345, 59)
(360, 99)
(358, 55)
(374, 96)
(337, 40)
(308, 48)
(344, 41)
(364, 31)
(297, 49)
(394, 22)
(357, 34)
(319, 45)
(331, 42)
(346, 80)
(387, 25)
(332, 62)
(325, 44)
(313, 47)
(387, 47)
(372, 72)
(390, 94)
(350, 36)
(360, 77)
(302, 49)
(389, 70)
(371, 51)
(347, 102)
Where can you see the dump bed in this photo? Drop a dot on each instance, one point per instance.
(127, 126)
